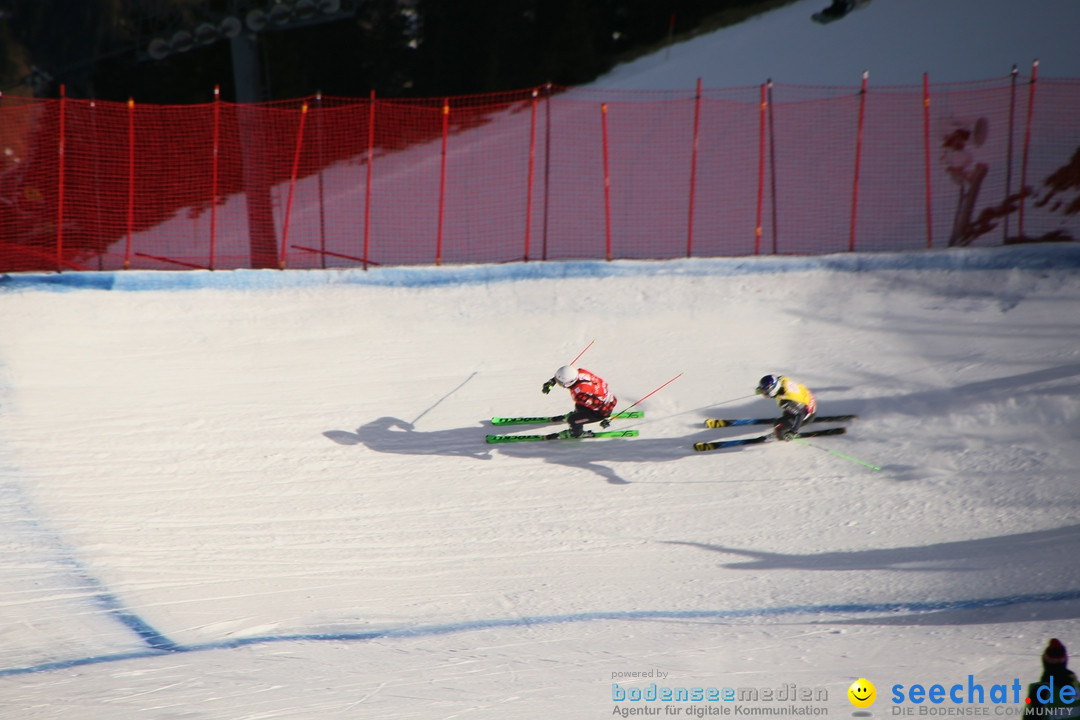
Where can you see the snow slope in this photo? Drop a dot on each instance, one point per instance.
(267, 494)
(264, 494)
(896, 41)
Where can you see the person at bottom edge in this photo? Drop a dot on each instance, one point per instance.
(593, 401)
(1046, 697)
(796, 402)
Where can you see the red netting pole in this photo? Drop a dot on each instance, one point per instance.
(529, 184)
(214, 174)
(1027, 146)
(547, 171)
(370, 163)
(60, 195)
(693, 172)
(292, 183)
(442, 179)
(131, 183)
(772, 169)
(320, 144)
(926, 149)
(1009, 153)
(607, 183)
(761, 170)
(858, 158)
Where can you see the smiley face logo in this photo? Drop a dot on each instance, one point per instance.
(862, 693)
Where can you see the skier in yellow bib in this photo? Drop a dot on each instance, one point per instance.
(795, 400)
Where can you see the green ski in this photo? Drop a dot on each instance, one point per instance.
(564, 435)
(557, 418)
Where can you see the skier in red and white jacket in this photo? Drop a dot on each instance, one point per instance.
(593, 401)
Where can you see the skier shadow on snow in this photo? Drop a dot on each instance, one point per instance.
(397, 436)
(592, 455)
(1014, 559)
(1050, 548)
(940, 401)
(394, 435)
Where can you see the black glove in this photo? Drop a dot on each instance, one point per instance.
(547, 386)
(605, 423)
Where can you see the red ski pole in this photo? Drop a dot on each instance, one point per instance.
(571, 363)
(651, 394)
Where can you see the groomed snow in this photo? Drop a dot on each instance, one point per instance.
(263, 494)
(895, 41)
(268, 494)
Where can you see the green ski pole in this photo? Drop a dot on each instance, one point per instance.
(839, 454)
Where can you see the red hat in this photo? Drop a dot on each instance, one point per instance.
(1055, 653)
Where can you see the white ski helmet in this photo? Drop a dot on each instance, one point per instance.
(566, 375)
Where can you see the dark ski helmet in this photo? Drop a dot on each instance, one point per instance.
(769, 386)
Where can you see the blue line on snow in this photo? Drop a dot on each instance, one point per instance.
(133, 622)
(473, 625)
(16, 512)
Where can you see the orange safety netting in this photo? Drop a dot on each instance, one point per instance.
(544, 174)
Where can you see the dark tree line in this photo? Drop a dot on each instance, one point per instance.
(399, 48)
